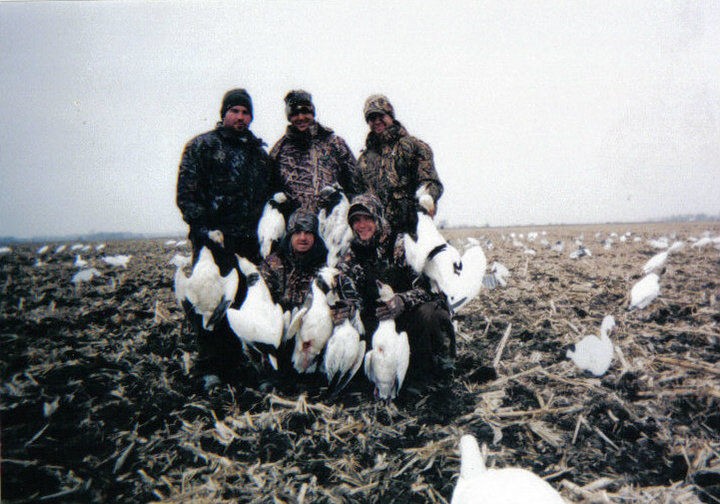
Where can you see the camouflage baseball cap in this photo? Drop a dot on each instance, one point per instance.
(378, 104)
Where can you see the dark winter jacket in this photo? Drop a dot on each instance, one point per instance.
(308, 161)
(223, 183)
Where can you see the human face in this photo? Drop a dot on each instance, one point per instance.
(379, 122)
(303, 119)
(364, 227)
(302, 241)
(237, 118)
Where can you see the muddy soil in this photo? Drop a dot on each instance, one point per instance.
(100, 402)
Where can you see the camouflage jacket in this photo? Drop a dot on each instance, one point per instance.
(363, 265)
(223, 183)
(308, 162)
(392, 166)
(288, 276)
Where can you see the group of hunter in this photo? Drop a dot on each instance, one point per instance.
(226, 176)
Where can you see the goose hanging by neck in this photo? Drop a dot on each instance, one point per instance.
(208, 293)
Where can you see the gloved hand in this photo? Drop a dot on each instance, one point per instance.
(390, 310)
(217, 236)
(341, 311)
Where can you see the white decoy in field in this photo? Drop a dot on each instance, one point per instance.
(271, 226)
(344, 355)
(60, 248)
(181, 243)
(660, 243)
(498, 274)
(705, 240)
(316, 325)
(119, 261)
(558, 247)
(79, 262)
(387, 362)
(512, 485)
(656, 262)
(644, 291)
(42, 250)
(171, 243)
(258, 322)
(594, 353)
(76, 247)
(581, 251)
(99, 247)
(85, 275)
(5, 250)
(209, 293)
(333, 226)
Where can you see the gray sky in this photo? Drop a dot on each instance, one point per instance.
(537, 112)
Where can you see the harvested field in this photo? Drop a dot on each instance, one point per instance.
(99, 402)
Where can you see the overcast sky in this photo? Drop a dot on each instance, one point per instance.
(537, 112)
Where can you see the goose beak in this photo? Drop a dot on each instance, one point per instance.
(454, 306)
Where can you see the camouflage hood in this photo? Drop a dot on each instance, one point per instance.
(369, 204)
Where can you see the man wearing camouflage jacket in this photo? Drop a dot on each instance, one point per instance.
(310, 156)
(394, 165)
(291, 269)
(424, 315)
(224, 180)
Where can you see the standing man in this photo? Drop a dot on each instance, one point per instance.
(223, 183)
(310, 156)
(394, 164)
(224, 180)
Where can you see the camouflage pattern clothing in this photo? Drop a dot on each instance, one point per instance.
(289, 275)
(426, 315)
(308, 161)
(224, 180)
(392, 166)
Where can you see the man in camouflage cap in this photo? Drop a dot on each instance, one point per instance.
(423, 314)
(310, 156)
(290, 270)
(394, 164)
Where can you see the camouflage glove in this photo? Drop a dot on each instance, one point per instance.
(390, 310)
(342, 311)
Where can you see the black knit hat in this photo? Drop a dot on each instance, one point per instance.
(296, 99)
(236, 97)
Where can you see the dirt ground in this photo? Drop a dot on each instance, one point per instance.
(99, 401)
